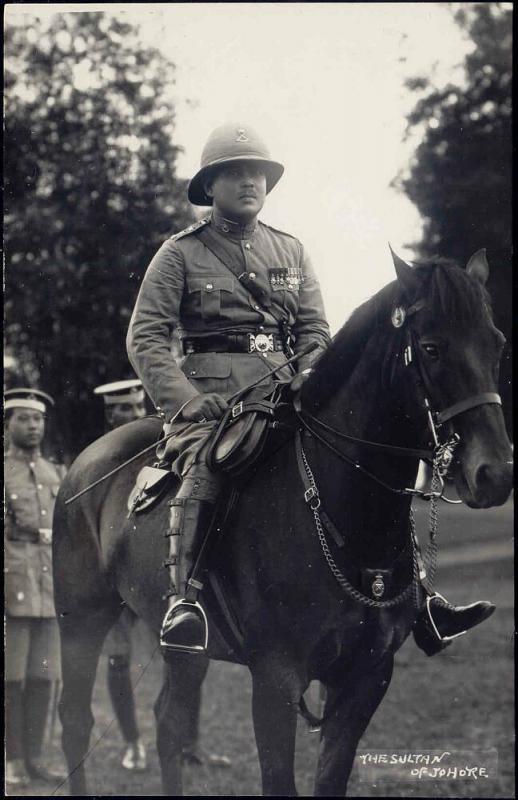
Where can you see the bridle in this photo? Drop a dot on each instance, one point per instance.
(441, 456)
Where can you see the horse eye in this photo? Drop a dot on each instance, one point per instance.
(431, 350)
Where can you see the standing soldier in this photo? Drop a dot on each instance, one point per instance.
(124, 401)
(32, 638)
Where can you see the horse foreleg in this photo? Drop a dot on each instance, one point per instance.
(351, 708)
(277, 688)
(82, 637)
(175, 710)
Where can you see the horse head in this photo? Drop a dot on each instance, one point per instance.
(456, 351)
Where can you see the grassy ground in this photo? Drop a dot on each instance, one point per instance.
(461, 699)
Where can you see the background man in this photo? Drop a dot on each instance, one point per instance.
(32, 638)
(124, 401)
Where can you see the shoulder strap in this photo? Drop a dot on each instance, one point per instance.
(191, 229)
(228, 258)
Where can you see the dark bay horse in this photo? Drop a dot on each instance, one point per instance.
(298, 622)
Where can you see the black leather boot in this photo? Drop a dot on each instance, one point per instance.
(440, 622)
(185, 625)
(15, 772)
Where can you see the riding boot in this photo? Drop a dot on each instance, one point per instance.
(439, 622)
(185, 627)
(15, 772)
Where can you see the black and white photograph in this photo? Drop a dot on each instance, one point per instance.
(258, 430)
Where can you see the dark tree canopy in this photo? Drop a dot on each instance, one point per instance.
(460, 176)
(90, 194)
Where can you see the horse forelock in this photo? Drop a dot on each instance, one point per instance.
(452, 293)
(449, 291)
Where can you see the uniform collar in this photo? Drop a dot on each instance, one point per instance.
(23, 455)
(234, 230)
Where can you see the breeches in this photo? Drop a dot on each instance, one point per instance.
(32, 649)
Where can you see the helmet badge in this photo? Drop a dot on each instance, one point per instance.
(241, 135)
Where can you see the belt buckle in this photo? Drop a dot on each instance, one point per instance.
(237, 410)
(261, 342)
(45, 535)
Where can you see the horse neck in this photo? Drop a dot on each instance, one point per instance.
(375, 519)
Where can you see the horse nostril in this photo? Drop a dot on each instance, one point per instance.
(494, 477)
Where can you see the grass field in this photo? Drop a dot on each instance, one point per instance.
(461, 699)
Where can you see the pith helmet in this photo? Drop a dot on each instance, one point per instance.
(232, 142)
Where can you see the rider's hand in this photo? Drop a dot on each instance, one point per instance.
(205, 407)
(299, 379)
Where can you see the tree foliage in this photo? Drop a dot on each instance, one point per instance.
(90, 194)
(460, 176)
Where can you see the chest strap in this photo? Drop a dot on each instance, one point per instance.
(234, 263)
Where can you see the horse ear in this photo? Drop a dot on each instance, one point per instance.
(406, 275)
(477, 267)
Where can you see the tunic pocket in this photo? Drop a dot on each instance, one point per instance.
(17, 587)
(209, 372)
(210, 289)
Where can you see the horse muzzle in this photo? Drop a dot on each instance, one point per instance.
(486, 484)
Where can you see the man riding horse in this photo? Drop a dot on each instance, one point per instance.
(243, 298)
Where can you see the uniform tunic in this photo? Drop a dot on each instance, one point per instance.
(31, 487)
(188, 290)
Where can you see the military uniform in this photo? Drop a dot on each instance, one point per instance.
(123, 403)
(242, 297)
(189, 290)
(32, 652)
(31, 487)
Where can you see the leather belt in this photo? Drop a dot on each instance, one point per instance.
(19, 534)
(234, 343)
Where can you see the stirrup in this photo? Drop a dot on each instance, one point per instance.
(182, 648)
(435, 630)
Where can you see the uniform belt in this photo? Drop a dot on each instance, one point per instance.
(234, 343)
(19, 534)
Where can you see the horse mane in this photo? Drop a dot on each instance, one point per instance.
(449, 291)
(335, 365)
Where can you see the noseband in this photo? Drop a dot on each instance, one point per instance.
(441, 455)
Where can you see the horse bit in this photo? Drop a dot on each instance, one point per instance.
(441, 456)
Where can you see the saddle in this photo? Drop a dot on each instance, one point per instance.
(236, 444)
